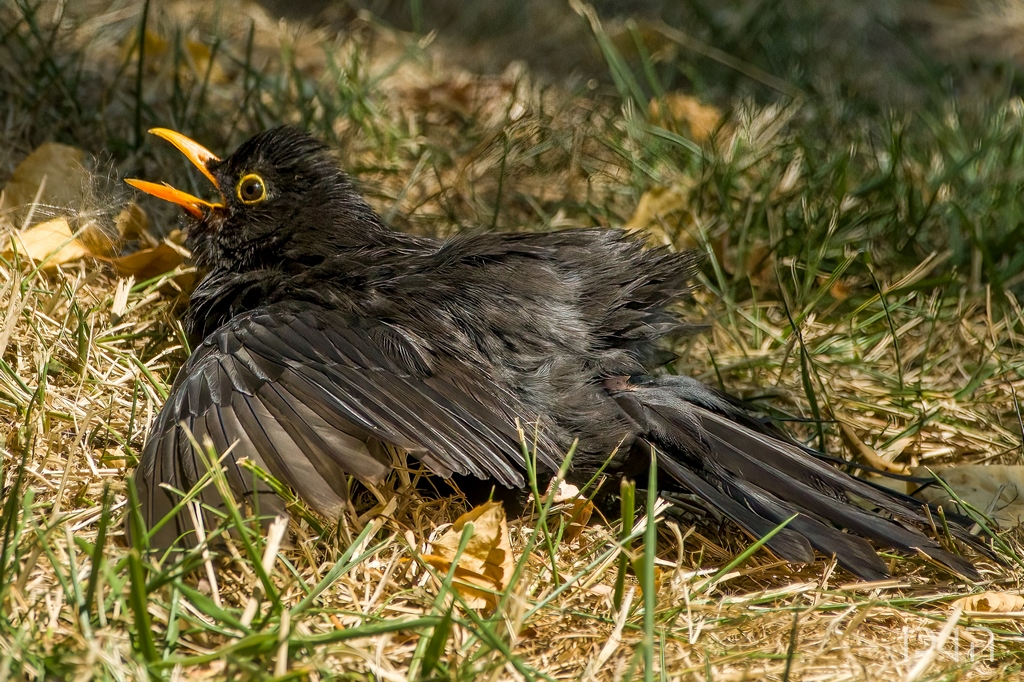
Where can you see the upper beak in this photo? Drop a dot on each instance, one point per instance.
(197, 154)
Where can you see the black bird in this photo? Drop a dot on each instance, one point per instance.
(322, 335)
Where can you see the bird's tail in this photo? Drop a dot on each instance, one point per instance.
(709, 445)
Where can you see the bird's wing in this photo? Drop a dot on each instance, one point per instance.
(305, 392)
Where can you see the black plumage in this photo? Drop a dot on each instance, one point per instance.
(321, 334)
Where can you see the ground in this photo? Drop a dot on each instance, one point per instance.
(853, 176)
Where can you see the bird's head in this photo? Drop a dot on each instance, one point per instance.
(283, 200)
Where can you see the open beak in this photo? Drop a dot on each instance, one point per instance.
(197, 154)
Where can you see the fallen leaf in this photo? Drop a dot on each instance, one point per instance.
(574, 509)
(152, 262)
(52, 241)
(53, 172)
(681, 110)
(146, 264)
(132, 224)
(487, 561)
(637, 562)
(100, 242)
(997, 489)
(990, 602)
(655, 204)
(458, 95)
(664, 211)
(844, 287)
(193, 60)
(900, 486)
(756, 260)
(203, 63)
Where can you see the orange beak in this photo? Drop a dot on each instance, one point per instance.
(198, 155)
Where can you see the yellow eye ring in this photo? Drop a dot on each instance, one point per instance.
(251, 189)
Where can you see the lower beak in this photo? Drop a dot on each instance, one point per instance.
(193, 205)
(198, 155)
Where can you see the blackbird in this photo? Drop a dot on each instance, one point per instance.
(322, 337)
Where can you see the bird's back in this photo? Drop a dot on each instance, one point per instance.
(547, 315)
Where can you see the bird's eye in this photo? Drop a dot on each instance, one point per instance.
(251, 189)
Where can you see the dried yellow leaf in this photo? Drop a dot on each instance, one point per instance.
(148, 263)
(576, 510)
(193, 60)
(486, 565)
(991, 602)
(685, 110)
(132, 224)
(100, 242)
(54, 173)
(664, 212)
(52, 241)
(637, 562)
(995, 487)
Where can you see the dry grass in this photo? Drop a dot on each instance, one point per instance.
(925, 369)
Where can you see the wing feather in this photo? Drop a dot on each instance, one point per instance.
(305, 393)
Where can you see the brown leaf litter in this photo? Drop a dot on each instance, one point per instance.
(486, 565)
(54, 177)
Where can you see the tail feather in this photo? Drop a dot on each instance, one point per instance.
(852, 552)
(832, 507)
(725, 418)
(787, 543)
(710, 446)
